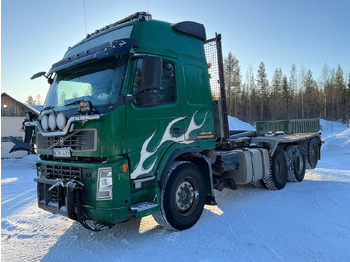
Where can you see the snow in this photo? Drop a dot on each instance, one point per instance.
(236, 124)
(306, 221)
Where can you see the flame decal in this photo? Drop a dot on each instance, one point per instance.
(167, 136)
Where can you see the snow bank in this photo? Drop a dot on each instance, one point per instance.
(330, 127)
(336, 137)
(236, 124)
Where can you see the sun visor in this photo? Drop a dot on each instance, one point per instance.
(113, 48)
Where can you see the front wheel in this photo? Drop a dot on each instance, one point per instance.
(182, 197)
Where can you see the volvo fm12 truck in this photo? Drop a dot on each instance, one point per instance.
(135, 123)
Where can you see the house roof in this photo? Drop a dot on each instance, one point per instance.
(35, 109)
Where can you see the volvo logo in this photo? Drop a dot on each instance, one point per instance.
(61, 141)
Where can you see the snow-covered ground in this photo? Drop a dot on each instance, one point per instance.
(308, 221)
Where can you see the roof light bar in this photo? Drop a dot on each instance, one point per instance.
(142, 16)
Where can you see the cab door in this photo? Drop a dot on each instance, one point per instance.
(154, 118)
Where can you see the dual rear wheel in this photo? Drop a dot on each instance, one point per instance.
(285, 165)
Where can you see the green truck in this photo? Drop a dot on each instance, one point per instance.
(135, 123)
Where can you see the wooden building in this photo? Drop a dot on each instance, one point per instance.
(12, 117)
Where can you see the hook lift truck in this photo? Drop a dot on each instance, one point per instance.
(135, 123)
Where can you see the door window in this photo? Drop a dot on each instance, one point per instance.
(167, 91)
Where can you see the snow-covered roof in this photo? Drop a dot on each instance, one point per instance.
(35, 109)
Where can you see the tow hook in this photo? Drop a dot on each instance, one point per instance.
(71, 183)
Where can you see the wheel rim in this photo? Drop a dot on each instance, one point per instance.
(186, 195)
(313, 153)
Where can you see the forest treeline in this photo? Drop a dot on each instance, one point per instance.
(295, 95)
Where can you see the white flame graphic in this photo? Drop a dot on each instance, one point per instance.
(167, 136)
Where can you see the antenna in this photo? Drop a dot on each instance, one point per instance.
(85, 17)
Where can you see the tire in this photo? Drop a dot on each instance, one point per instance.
(259, 184)
(313, 153)
(296, 163)
(182, 197)
(278, 170)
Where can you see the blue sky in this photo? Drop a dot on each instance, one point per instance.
(35, 34)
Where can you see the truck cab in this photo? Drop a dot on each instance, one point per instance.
(122, 102)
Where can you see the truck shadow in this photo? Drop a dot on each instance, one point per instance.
(119, 238)
(238, 210)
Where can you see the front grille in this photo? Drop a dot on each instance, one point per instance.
(57, 171)
(80, 140)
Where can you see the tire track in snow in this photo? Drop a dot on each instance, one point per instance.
(16, 197)
(29, 234)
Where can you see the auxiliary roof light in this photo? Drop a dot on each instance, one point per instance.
(45, 122)
(52, 121)
(61, 120)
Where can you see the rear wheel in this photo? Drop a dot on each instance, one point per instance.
(297, 163)
(313, 153)
(258, 184)
(278, 170)
(182, 197)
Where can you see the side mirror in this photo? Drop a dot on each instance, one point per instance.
(148, 81)
(38, 75)
(151, 73)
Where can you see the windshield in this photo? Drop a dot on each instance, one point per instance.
(98, 82)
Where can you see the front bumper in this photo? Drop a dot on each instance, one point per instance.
(69, 189)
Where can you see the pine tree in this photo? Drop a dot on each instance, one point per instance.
(30, 101)
(276, 95)
(38, 100)
(228, 68)
(311, 96)
(293, 85)
(262, 84)
(250, 81)
(324, 86)
(340, 93)
(237, 79)
(286, 97)
(233, 80)
(243, 104)
(301, 93)
(255, 105)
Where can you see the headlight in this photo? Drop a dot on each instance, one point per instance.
(104, 184)
(61, 120)
(45, 122)
(52, 121)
